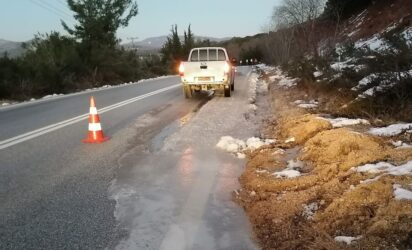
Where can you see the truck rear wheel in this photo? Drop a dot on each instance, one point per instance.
(227, 92)
(187, 91)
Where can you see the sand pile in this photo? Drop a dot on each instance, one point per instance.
(302, 127)
(330, 202)
(343, 149)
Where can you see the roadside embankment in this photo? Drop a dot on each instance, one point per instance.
(326, 182)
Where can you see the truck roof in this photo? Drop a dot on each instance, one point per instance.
(209, 48)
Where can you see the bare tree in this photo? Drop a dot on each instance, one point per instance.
(295, 12)
(300, 16)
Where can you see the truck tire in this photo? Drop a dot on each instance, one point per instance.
(227, 92)
(187, 91)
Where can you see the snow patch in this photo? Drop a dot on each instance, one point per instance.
(278, 75)
(307, 105)
(291, 171)
(386, 81)
(287, 173)
(385, 167)
(339, 66)
(231, 144)
(268, 69)
(241, 155)
(252, 88)
(374, 43)
(407, 34)
(317, 74)
(392, 130)
(254, 143)
(100, 88)
(342, 122)
(401, 145)
(401, 193)
(51, 96)
(253, 107)
(347, 239)
(236, 146)
(288, 82)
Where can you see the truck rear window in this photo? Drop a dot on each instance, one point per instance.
(203, 55)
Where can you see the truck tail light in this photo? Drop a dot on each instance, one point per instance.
(227, 67)
(181, 70)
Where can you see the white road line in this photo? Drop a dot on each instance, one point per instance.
(41, 131)
(83, 92)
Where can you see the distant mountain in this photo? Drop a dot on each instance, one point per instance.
(156, 43)
(13, 49)
(148, 45)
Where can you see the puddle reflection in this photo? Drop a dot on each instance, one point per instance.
(185, 168)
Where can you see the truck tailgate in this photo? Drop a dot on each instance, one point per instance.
(200, 72)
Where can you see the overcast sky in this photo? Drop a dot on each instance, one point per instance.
(21, 19)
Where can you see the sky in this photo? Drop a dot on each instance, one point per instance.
(21, 19)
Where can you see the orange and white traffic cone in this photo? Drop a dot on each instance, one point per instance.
(95, 134)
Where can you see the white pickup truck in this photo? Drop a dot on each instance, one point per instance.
(207, 68)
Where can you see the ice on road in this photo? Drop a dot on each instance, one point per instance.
(179, 196)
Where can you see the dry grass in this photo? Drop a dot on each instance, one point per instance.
(345, 205)
(302, 127)
(343, 149)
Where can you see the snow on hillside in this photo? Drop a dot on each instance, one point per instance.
(374, 82)
(387, 81)
(377, 43)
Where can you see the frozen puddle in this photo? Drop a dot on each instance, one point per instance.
(180, 196)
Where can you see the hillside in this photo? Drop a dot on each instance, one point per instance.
(156, 43)
(361, 68)
(13, 49)
(338, 174)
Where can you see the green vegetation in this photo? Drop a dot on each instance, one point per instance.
(90, 56)
(175, 51)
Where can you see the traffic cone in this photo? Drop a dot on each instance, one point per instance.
(95, 134)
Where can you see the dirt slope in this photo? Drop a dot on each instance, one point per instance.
(331, 199)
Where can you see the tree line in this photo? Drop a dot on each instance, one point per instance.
(296, 28)
(175, 50)
(89, 56)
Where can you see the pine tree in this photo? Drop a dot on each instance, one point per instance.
(189, 41)
(98, 20)
(176, 44)
(97, 24)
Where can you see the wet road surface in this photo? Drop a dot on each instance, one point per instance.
(179, 195)
(159, 183)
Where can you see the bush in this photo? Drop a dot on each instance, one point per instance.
(53, 63)
(395, 104)
(301, 68)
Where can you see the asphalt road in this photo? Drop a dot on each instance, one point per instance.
(59, 193)
(174, 191)
(54, 188)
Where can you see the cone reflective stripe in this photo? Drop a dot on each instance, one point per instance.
(93, 110)
(95, 127)
(95, 134)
